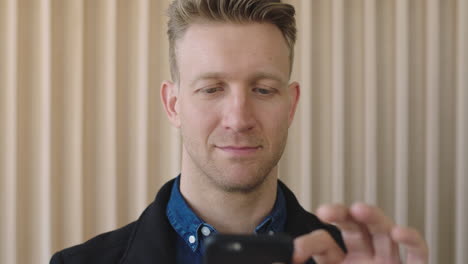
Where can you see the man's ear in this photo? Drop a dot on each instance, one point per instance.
(294, 91)
(169, 97)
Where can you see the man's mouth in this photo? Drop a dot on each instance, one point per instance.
(239, 150)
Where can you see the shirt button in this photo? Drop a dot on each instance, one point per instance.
(205, 231)
(191, 239)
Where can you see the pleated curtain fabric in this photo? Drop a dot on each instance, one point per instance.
(85, 144)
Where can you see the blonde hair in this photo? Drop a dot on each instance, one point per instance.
(184, 12)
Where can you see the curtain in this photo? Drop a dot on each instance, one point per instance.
(85, 144)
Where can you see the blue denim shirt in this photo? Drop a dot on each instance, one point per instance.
(192, 230)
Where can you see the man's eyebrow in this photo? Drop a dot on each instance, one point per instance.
(266, 75)
(255, 77)
(207, 76)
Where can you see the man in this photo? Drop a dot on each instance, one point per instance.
(233, 103)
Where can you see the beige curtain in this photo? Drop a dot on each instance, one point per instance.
(85, 145)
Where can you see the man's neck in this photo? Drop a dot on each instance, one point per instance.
(229, 212)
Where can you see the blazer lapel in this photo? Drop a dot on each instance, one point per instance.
(153, 239)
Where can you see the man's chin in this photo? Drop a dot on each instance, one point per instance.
(241, 183)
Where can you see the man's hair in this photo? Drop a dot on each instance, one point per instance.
(182, 13)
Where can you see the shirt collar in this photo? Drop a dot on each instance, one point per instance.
(276, 220)
(192, 229)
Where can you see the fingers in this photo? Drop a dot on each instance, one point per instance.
(379, 227)
(318, 245)
(338, 214)
(417, 251)
(356, 238)
(373, 217)
(359, 213)
(365, 229)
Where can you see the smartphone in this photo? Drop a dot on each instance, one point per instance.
(248, 249)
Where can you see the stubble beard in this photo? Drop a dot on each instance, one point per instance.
(218, 176)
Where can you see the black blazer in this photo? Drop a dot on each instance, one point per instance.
(151, 238)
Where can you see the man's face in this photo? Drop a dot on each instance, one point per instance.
(233, 104)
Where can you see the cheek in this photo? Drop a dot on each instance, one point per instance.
(197, 121)
(275, 118)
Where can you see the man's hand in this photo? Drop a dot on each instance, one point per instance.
(370, 237)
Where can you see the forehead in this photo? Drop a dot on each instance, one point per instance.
(232, 50)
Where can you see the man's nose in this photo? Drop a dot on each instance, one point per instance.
(239, 113)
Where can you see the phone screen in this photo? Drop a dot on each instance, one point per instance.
(248, 249)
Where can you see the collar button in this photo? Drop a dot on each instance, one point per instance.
(205, 231)
(191, 239)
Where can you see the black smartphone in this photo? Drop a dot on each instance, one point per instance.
(248, 249)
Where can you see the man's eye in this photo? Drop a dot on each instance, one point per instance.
(263, 91)
(212, 90)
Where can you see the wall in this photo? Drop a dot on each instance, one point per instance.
(85, 145)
